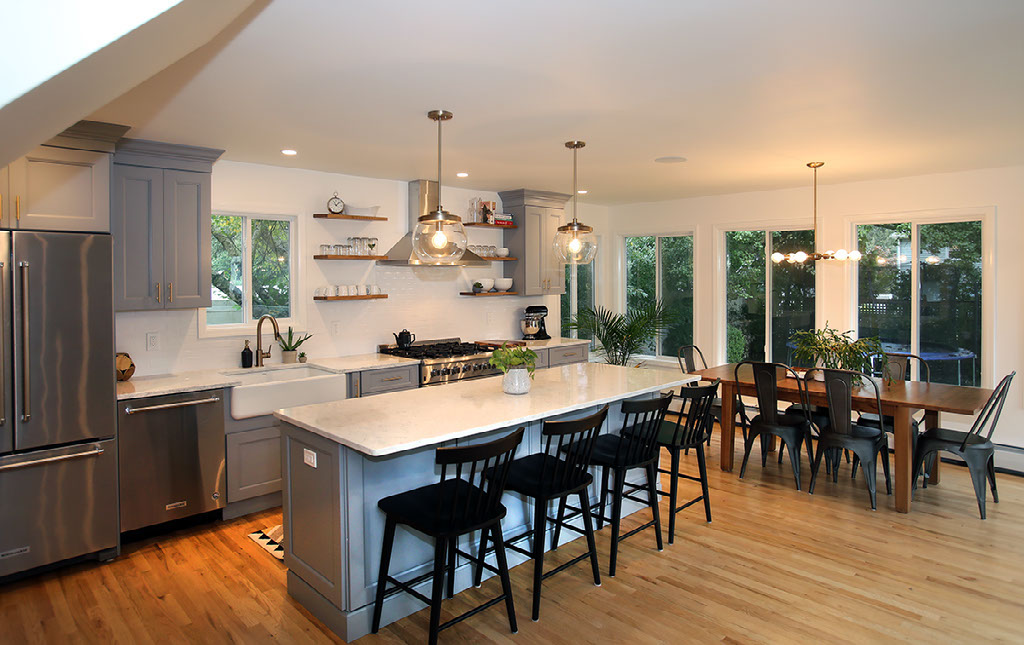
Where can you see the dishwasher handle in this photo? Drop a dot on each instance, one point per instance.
(168, 406)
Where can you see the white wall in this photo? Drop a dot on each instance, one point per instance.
(424, 299)
(998, 189)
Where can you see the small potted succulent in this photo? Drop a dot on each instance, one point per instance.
(302, 357)
(290, 346)
(478, 287)
(517, 364)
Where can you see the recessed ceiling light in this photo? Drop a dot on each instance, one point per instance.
(288, 152)
(670, 159)
(462, 175)
(582, 192)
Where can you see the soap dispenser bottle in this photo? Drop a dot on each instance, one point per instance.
(246, 356)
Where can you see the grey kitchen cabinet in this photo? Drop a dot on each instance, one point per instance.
(253, 462)
(537, 215)
(56, 189)
(391, 379)
(570, 354)
(160, 218)
(542, 358)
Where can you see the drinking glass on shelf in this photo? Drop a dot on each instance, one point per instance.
(325, 249)
(374, 289)
(341, 290)
(339, 249)
(492, 251)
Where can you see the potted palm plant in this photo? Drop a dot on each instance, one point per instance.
(620, 337)
(517, 364)
(290, 346)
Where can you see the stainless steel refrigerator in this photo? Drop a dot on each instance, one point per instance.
(58, 454)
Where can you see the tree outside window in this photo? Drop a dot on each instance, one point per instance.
(252, 272)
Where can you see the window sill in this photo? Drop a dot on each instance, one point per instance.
(245, 330)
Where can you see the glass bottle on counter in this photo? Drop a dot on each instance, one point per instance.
(246, 355)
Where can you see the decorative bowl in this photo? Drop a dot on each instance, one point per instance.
(362, 211)
(488, 283)
(503, 284)
(502, 252)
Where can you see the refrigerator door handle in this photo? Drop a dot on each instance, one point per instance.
(46, 460)
(3, 394)
(26, 380)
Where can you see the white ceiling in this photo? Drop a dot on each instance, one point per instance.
(747, 91)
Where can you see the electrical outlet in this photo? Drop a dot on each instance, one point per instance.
(309, 457)
(152, 341)
(336, 328)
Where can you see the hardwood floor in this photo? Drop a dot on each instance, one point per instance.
(775, 565)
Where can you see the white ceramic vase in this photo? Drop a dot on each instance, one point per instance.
(289, 357)
(516, 381)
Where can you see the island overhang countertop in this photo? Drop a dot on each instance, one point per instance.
(391, 423)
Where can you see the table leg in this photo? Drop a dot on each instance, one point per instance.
(728, 425)
(931, 420)
(904, 447)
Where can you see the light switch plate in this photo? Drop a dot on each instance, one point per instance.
(309, 457)
(336, 328)
(152, 341)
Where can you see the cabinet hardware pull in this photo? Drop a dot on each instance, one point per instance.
(393, 378)
(17, 208)
(170, 292)
(158, 285)
(167, 406)
(1, 204)
(26, 349)
(46, 460)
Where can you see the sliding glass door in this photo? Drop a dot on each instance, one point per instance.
(661, 268)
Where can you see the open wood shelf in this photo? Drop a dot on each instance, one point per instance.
(361, 218)
(375, 296)
(486, 225)
(489, 293)
(494, 258)
(350, 257)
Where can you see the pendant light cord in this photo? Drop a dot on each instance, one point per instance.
(814, 231)
(575, 193)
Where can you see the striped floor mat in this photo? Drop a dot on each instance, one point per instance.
(271, 539)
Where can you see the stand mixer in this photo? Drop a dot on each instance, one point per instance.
(532, 323)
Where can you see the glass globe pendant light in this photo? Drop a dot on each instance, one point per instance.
(575, 243)
(439, 237)
(802, 256)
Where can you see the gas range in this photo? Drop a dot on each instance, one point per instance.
(446, 360)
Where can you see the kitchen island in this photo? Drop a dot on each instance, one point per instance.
(340, 458)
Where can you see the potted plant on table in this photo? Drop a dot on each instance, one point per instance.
(290, 346)
(517, 364)
(831, 349)
(622, 336)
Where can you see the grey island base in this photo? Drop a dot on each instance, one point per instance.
(340, 458)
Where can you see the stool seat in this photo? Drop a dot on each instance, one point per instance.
(536, 476)
(429, 508)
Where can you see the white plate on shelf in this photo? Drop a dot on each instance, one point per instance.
(364, 211)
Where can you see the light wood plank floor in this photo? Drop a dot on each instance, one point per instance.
(776, 565)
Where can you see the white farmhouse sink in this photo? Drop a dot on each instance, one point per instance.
(264, 390)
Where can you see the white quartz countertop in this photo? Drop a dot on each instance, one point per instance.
(398, 421)
(211, 379)
(555, 342)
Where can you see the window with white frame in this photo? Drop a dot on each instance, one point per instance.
(661, 268)
(586, 287)
(919, 290)
(253, 269)
(766, 302)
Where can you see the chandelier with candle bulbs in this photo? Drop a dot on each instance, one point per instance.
(800, 257)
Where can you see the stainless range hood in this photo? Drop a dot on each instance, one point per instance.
(423, 199)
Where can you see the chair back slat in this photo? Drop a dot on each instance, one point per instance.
(486, 466)
(899, 366)
(688, 355)
(641, 423)
(694, 423)
(766, 384)
(989, 415)
(570, 444)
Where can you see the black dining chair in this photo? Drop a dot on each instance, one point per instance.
(975, 447)
(557, 472)
(636, 446)
(688, 430)
(463, 501)
(866, 442)
(794, 429)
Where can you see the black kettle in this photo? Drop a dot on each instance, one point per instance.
(404, 338)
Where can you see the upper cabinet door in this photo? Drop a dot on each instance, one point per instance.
(55, 189)
(187, 239)
(552, 266)
(6, 201)
(137, 225)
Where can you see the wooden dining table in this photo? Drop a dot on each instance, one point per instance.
(900, 399)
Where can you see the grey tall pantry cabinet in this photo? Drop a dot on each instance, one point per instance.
(160, 213)
(537, 215)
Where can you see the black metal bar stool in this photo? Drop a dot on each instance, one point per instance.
(636, 446)
(445, 511)
(557, 472)
(690, 430)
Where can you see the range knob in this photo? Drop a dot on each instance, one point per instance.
(435, 372)
(445, 371)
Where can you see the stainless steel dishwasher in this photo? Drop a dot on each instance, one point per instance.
(171, 454)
